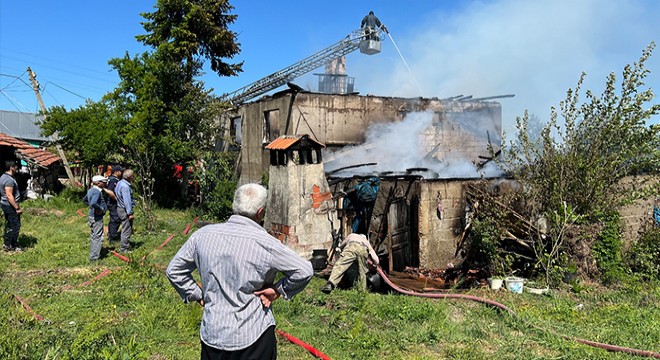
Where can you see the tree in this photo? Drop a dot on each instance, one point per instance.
(190, 30)
(601, 141)
(171, 117)
(90, 131)
(573, 172)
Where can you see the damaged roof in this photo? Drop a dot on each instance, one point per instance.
(29, 153)
(286, 142)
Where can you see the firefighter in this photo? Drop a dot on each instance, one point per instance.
(371, 25)
(354, 248)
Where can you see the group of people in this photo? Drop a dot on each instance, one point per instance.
(115, 195)
(238, 262)
(237, 322)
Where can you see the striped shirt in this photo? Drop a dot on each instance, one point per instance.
(235, 259)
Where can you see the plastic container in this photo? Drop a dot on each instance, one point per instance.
(537, 291)
(514, 284)
(495, 283)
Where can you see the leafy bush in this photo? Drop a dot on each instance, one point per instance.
(579, 159)
(643, 258)
(482, 250)
(217, 184)
(607, 249)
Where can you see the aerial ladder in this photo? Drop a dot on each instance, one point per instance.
(368, 43)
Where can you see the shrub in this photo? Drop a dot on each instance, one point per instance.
(643, 258)
(578, 160)
(607, 250)
(217, 184)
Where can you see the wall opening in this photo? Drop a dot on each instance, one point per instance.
(271, 125)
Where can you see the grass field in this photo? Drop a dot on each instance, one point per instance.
(133, 313)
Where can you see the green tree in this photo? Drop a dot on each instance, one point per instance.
(91, 131)
(171, 117)
(191, 30)
(582, 160)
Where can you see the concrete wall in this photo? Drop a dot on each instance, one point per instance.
(461, 128)
(300, 207)
(639, 213)
(438, 237)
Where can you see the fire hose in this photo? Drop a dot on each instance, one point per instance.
(608, 347)
(303, 344)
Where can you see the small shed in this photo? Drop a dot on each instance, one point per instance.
(42, 165)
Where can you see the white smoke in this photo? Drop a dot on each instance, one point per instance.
(397, 147)
(534, 49)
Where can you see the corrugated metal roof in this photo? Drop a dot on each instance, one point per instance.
(28, 152)
(21, 125)
(286, 141)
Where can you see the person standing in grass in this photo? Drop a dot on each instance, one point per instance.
(97, 208)
(115, 221)
(237, 261)
(10, 196)
(125, 207)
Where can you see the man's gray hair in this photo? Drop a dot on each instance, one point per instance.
(128, 173)
(248, 199)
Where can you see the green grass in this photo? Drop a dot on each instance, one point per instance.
(133, 313)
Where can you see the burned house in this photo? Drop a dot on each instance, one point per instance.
(422, 151)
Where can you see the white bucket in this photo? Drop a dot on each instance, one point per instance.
(514, 284)
(495, 284)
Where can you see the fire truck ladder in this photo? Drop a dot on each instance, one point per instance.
(356, 39)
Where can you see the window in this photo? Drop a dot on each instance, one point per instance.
(235, 130)
(271, 125)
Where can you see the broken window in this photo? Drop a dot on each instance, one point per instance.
(271, 125)
(235, 130)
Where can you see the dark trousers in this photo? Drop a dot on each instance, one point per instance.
(113, 224)
(265, 348)
(12, 225)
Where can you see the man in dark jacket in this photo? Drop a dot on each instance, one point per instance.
(371, 25)
(115, 221)
(9, 199)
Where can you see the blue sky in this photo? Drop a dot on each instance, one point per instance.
(533, 49)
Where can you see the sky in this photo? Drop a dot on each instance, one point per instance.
(534, 49)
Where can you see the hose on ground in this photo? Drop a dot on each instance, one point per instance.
(608, 347)
(304, 345)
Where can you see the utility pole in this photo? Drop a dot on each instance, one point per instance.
(35, 87)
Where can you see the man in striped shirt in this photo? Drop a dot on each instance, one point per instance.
(237, 261)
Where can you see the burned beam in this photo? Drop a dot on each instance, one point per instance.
(350, 167)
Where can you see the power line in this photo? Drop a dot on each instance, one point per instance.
(14, 101)
(15, 79)
(67, 90)
(19, 111)
(51, 95)
(75, 72)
